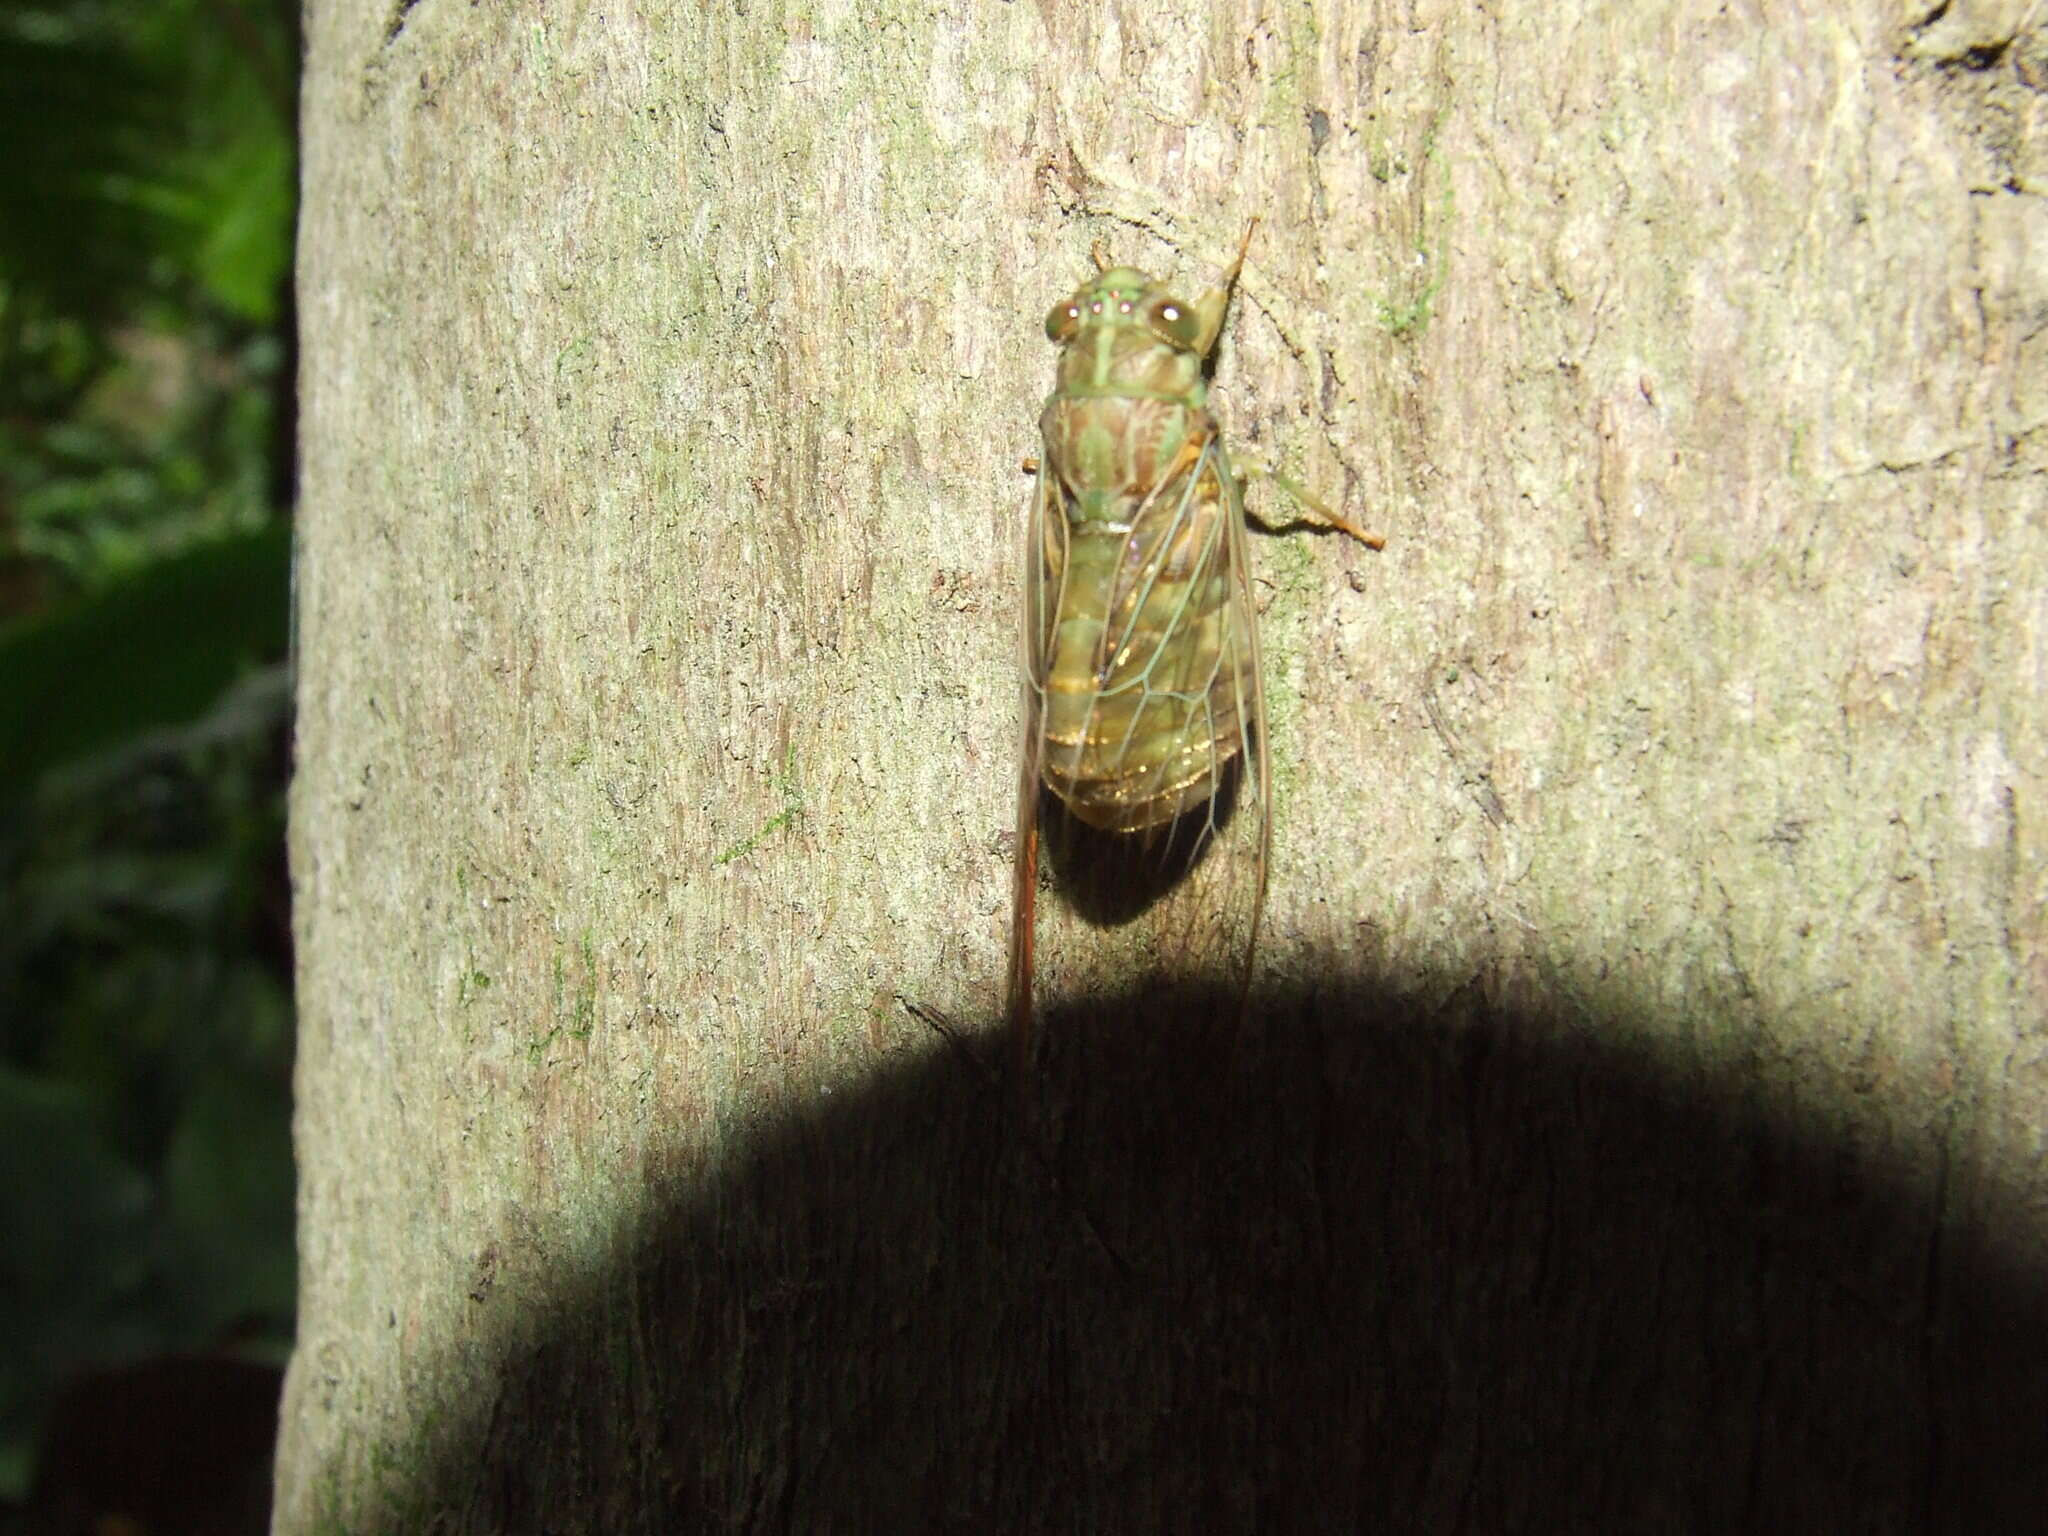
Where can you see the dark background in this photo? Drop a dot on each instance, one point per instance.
(146, 373)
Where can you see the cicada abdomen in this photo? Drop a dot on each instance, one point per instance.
(1144, 715)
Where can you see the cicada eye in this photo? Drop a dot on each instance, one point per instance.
(1171, 321)
(1062, 320)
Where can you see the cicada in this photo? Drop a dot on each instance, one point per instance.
(1144, 713)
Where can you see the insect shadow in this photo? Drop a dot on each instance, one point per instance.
(1113, 878)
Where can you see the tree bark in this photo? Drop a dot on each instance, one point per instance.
(1639, 1121)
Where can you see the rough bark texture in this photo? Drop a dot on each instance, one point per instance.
(1640, 1126)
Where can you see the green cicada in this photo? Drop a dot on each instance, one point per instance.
(1144, 716)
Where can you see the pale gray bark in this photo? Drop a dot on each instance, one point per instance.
(1641, 1127)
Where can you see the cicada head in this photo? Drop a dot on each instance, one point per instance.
(1123, 298)
(1124, 332)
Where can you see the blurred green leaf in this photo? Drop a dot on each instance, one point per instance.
(76, 1219)
(143, 144)
(75, 1208)
(88, 202)
(153, 650)
(228, 1190)
(246, 244)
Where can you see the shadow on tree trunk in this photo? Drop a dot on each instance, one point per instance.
(1465, 1268)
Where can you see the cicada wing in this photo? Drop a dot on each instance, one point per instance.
(1045, 542)
(1212, 858)
(1165, 900)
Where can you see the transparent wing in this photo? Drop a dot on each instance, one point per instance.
(1157, 736)
(1045, 540)
(1210, 861)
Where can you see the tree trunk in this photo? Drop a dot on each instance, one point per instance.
(1638, 1126)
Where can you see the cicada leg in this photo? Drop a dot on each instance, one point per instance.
(1318, 510)
(1024, 926)
(1210, 307)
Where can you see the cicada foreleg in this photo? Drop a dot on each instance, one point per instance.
(1211, 306)
(1318, 510)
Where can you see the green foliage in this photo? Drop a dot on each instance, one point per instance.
(147, 146)
(163, 441)
(78, 207)
(145, 225)
(145, 415)
(63, 1185)
(131, 658)
(145, 1167)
